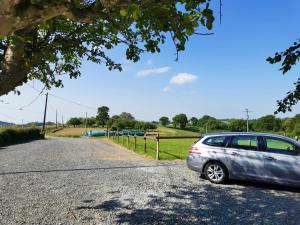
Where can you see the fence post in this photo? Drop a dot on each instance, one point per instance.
(118, 136)
(122, 139)
(135, 142)
(128, 141)
(145, 143)
(157, 147)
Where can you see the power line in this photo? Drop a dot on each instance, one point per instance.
(51, 106)
(66, 100)
(26, 110)
(70, 101)
(36, 98)
(18, 109)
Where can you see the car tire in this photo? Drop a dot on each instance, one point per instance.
(216, 172)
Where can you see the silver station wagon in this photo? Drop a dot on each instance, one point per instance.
(246, 156)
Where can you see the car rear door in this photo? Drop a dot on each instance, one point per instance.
(245, 158)
(281, 160)
(215, 147)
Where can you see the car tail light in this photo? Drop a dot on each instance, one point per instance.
(194, 150)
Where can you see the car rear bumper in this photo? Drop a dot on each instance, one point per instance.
(195, 162)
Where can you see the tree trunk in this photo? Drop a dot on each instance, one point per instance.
(14, 69)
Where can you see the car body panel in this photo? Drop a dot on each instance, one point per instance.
(245, 164)
(283, 168)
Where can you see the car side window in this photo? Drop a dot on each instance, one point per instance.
(219, 141)
(245, 142)
(274, 144)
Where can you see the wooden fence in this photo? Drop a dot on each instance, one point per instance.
(148, 136)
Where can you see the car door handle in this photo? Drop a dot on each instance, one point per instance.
(270, 158)
(234, 153)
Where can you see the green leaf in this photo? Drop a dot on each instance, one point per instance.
(136, 14)
(190, 31)
(123, 12)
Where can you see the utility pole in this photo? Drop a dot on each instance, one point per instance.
(45, 112)
(247, 111)
(56, 119)
(62, 120)
(86, 122)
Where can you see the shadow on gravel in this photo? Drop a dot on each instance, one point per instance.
(86, 169)
(217, 205)
(208, 204)
(266, 186)
(3, 147)
(109, 205)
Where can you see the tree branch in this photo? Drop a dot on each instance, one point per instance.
(204, 33)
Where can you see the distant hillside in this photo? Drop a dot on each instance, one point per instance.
(2, 123)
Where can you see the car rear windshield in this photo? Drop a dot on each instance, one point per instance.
(218, 141)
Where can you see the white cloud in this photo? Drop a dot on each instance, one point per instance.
(183, 78)
(149, 62)
(166, 89)
(154, 71)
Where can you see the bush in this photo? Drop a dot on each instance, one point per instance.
(180, 120)
(267, 123)
(238, 125)
(297, 130)
(15, 135)
(144, 125)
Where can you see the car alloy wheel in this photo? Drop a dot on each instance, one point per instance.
(215, 172)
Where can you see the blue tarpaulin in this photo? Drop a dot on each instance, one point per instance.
(111, 133)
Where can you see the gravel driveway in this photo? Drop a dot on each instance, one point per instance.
(81, 181)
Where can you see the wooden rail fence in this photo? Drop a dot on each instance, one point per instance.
(148, 136)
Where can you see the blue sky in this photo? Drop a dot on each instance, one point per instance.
(219, 75)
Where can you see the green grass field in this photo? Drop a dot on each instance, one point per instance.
(170, 149)
(172, 131)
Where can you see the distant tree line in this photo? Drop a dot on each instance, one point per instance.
(268, 123)
(79, 121)
(117, 122)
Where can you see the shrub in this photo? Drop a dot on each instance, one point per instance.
(16, 135)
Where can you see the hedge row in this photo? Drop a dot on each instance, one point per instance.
(16, 135)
